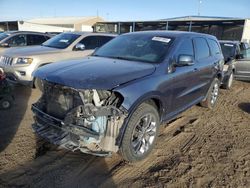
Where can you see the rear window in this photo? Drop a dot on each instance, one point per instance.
(228, 50)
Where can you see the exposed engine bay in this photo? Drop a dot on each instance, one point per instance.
(85, 120)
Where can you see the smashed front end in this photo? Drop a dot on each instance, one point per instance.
(85, 120)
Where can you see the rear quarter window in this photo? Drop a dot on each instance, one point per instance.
(214, 47)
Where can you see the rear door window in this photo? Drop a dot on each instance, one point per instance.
(201, 48)
(35, 39)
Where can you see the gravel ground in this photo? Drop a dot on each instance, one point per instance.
(200, 148)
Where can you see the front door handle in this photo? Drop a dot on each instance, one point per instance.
(195, 70)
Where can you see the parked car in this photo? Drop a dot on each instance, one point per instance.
(230, 51)
(237, 61)
(116, 99)
(242, 65)
(19, 64)
(11, 39)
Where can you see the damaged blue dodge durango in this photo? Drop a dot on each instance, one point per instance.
(115, 99)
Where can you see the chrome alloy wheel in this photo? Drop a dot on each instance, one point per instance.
(144, 134)
(215, 93)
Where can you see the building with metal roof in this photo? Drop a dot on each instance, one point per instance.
(224, 28)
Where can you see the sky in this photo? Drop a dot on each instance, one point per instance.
(114, 10)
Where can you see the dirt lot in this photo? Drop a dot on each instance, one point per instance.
(201, 148)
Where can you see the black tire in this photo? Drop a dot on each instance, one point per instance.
(229, 82)
(145, 114)
(211, 99)
(6, 103)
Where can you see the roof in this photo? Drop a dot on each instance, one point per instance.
(200, 18)
(169, 33)
(29, 32)
(91, 33)
(64, 20)
(229, 41)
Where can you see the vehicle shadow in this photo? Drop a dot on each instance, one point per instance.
(245, 107)
(61, 168)
(11, 119)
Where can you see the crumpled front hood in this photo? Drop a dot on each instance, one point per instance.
(30, 51)
(94, 72)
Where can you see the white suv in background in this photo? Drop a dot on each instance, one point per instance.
(20, 63)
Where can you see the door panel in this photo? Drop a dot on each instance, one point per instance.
(186, 87)
(242, 68)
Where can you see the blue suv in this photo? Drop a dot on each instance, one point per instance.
(116, 99)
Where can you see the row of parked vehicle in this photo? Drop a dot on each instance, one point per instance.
(115, 98)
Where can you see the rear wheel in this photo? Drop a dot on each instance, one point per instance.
(141, 133)
(212, 95)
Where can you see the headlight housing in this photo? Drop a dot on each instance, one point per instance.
(24, 61)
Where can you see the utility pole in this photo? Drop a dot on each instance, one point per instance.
(199, 7)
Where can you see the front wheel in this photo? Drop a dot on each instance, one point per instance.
(212, 95)
(141, 133)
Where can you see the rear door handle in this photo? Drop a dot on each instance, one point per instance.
(195, 69)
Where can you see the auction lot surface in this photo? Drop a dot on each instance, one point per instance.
(201, 148)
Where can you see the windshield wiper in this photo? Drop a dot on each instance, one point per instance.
(122, 58)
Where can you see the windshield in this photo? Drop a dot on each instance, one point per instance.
(228, 50)
(143, 48)
(3, 36)
(61, 41)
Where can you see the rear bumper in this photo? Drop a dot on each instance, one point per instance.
(65, 136)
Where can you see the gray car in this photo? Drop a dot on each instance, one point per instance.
(20, 63)
(242, 66)
(237, 61)
(21, 38)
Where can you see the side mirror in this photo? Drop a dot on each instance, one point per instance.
(5, 45)
(79, 47)
(239, 56)
(185, 60)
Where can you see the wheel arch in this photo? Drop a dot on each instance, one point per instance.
(149, 98)
(34, 79)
